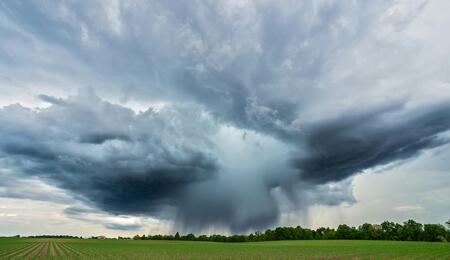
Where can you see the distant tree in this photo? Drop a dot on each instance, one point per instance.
(434, 232)
(218, 238)
(259, 236)
(390, 230)
(308, 233)
(325, 233)
(345, 232)
(367, 231)
(156, 237)
(320, 233)
(411, 231)
(269, 235)
(448, 223)
(378, 232)
(168, 237)
(237, 238)
(203, 238)
(287, 233)
(188, 237)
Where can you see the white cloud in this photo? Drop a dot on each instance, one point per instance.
(410, 208)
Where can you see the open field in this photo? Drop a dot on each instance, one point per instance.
(14, 248)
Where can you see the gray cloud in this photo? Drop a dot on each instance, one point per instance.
(98, 217)
(120, 226)
(121, 161)
(153, 161)
(14, 185)
(348, 144)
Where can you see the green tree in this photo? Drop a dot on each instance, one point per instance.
(325, 233)
(390, 230)
(411, 231)
(177, 236)
(434, 232)
(190, 237)
(259, 236)
(368, 231)
(345, 232)
(448, 223)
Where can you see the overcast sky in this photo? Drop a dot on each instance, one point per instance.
(125, 117)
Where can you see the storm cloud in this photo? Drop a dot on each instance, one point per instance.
(165, 163)
(119, 160)
(220, 114)
(348, 144)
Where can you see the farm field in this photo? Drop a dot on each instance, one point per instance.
(23, 248)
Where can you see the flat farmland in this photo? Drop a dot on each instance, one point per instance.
(37, 249)
(25, 248)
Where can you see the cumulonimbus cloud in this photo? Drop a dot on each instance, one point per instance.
(145, 163)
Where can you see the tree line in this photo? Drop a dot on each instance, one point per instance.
(52, 236)
(408, 231)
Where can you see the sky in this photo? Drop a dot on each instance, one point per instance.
(143, 117)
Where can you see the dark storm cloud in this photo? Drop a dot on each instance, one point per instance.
(348, 144)
(143, 167)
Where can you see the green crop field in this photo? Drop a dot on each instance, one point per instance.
(24, 248)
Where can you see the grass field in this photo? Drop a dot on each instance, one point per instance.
(14, 248)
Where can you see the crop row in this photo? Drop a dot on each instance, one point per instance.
(40, 249)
